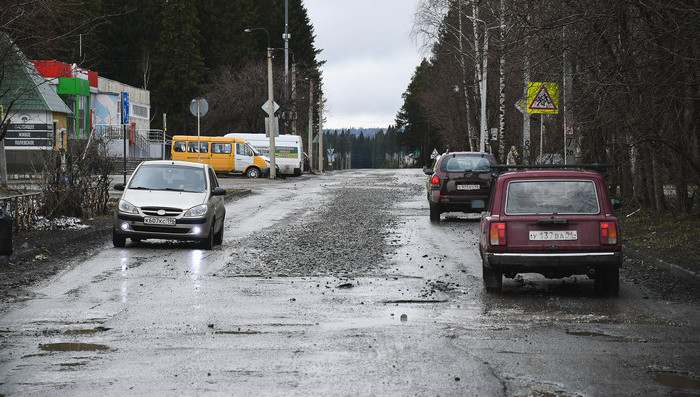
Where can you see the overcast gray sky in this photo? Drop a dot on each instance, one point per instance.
(370, 58)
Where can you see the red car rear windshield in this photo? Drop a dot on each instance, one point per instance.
(551, 197)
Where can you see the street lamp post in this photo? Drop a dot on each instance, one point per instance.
(271, 105)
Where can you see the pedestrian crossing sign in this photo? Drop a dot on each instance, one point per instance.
(542, 97)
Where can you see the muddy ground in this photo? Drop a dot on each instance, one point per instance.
(40, 254)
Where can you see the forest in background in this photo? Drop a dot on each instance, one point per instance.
(631, 95)
(179, 50)
(628, 71)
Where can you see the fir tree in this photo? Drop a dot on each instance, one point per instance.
(179, 63)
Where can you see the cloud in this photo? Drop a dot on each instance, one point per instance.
(370, 58)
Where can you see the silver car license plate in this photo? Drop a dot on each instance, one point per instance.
(155, 220)
(545, 235)
(468, 187)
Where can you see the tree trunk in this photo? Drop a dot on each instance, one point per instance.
(3, 165)
(465, 92)
(658, 185)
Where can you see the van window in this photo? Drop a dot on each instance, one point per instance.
(223, 148)
(243, 149)
(179, 146)
(203, 147)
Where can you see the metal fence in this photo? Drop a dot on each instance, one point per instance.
(24, 209)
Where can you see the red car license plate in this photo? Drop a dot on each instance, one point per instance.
(546, 235)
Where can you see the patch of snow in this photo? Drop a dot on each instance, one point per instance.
(62, 223)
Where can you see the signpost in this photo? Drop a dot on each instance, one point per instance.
(542, 98)
(199, 107)
(125, 121)
(165, 131)
(266, 108)
(569, 144)
(270, 107)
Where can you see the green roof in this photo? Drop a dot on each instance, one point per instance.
(22, 87)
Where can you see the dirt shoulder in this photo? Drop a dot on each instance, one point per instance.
(41, 254)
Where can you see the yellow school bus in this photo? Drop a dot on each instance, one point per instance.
(225, 155)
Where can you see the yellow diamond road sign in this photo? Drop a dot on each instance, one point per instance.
(542, 97)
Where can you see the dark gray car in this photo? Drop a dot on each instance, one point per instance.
(459, 182)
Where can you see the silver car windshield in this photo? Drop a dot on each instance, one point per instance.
(169, 177)
(552, 197)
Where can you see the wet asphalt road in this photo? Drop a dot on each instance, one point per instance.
(337, 284)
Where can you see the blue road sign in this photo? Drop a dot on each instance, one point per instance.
(125, 108)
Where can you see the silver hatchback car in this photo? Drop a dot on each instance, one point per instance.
(171, 200)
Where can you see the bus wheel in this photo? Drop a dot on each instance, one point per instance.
(253, 173)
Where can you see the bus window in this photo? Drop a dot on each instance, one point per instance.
(179, 147)
(203, 147)
(223, 148)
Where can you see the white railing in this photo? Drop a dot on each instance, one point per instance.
(143, 138)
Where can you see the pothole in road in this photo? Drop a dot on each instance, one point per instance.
(72, 347)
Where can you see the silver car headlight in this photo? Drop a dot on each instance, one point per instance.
(199, 210)
(125, 206)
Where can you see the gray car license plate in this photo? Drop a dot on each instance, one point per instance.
(154, 220)
(468, 187)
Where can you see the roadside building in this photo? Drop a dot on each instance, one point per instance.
(37, 117)
(48, 104)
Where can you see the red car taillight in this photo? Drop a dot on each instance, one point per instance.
(497, 233)
(435, 180)
(608, 233)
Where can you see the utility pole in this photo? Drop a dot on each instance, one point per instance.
(569, 132)
(286, 49)
(526, 115)
(311, 124)
(271, 115)
(294, 99)
(320, 130)
(502, 88)
(270, 104)
(484, 78)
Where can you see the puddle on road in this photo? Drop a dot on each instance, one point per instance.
(402, 301)
(72, 366)
(678, 381)
(588, 333)
(85, 331)
(72, 347)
